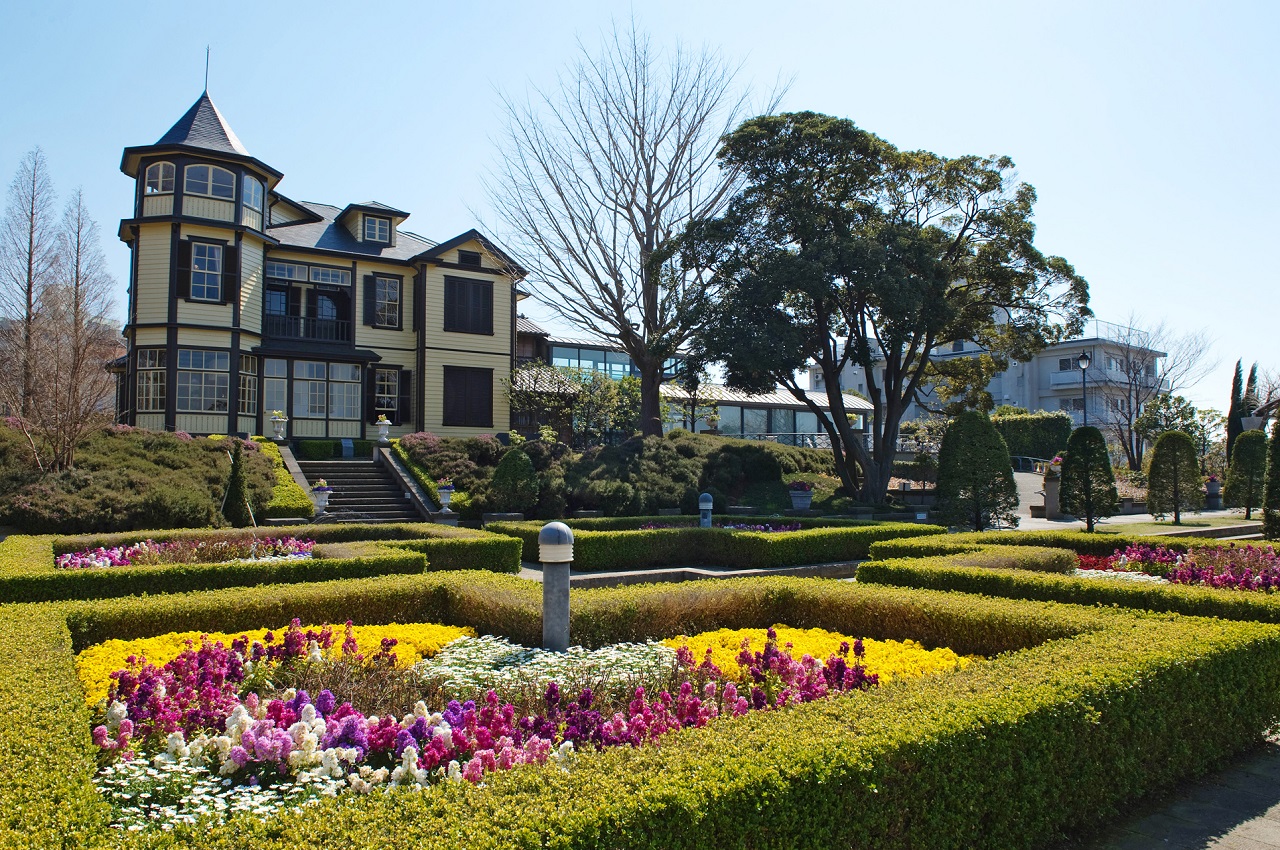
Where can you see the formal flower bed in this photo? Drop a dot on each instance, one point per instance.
(764, 528)
(191, 725)
(149, 552)
(1233, 567)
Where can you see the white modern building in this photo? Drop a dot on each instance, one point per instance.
(1053, 379)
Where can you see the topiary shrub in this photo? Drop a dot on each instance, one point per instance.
(1174, 478)
(1041, 434)
(975, 476)
(1088, 485)
(515, 484)
(1247, 472)
(235, 504)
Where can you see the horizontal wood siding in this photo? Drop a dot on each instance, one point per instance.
(149, 337)
(193, 338)
(153, 273)
(501, 366)
(437, 337)
(198, 207)
(157, 205)
(251, 285)
(379, 338)
(199, 313)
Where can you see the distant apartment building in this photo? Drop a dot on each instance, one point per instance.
(1052, 380)
(243, 302)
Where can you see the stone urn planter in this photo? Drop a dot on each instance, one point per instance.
(446, 496)
(384, 431)
(277, 426)
(801, 495)
(320, 494)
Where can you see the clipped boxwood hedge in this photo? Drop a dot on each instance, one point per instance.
(288, 500)
(822, 542)
(1086, 710)
(1080, 542)
(28, 574)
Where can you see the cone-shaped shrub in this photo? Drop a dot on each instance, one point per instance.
(1247, 472)
(1088, 485)
(1271, 493)
(235, 507)
(975, 476)
(1173, 484)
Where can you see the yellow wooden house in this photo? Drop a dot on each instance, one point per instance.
(243, 302)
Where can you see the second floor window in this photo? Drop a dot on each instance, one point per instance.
(252, 193)
(386, 298)
(206, 272)
(210, 181)
(160, 178)
(468, 306)
(377, 229)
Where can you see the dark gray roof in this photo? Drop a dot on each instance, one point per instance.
(529, 326)
(204, 127)
(328, 235)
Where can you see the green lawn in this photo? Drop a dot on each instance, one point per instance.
(1165, 526)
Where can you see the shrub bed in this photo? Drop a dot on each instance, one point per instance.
(1091, 706)
(288, 499)
(28, 574)
(1080, 542)
(600, 550)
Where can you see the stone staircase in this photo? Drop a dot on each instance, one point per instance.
(363, 491)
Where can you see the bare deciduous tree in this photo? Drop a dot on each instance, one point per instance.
(597, 173)
(1154, 360)
(29, 254)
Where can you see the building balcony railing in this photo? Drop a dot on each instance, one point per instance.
(307, 327)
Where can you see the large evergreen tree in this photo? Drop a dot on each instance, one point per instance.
(1247, 472)
(1173, 484)
(1271, 493)
(975, 476)
(1088, 484)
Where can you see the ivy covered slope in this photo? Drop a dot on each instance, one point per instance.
(1075, 712)
(126, 478)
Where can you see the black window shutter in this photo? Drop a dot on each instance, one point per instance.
(484, 295)
(404, 410)
(313, 299)
(370, 394)
(482, 388)
(417, 300)
(230, 274)
(370, 300)
(184, 269)
(450, 304)
(295, 301)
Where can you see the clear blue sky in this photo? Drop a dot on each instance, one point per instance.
(1148, 129)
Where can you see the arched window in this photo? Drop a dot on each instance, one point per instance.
(210, 181)
(160, 178)
(251, 192)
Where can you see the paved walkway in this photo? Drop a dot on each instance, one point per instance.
(1236, 809)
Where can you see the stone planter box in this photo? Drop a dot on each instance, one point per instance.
(485, 519)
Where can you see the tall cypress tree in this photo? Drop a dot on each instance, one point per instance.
(976, 487)
(235, 508)
(1271, 492)
(1088, 484)
(1247, 472)
(1173, 484)
(1233, 410)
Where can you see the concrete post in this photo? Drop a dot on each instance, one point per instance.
(555, 551)
(705, 503)
(1052, 507)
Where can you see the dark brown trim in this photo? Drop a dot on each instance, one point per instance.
(501, 354)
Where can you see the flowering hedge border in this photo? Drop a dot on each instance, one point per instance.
(1080, 542)
(1087, 710)
(619, 544)
(27, 573)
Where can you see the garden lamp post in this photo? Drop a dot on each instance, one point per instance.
(555, 551)
(1083, 362)
(705, 503)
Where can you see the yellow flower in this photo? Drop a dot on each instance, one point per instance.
(414, 641)
(886, 658)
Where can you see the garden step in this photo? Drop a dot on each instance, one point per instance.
(363, 491)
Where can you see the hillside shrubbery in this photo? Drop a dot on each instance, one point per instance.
(635, 478)
(125, 479)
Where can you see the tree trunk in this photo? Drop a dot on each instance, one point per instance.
(650, 398)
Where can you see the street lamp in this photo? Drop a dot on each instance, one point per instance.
(1083, 362)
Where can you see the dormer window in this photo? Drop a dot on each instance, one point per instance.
(160, 178)
(251, 192)
(377, 229)
(469, 258)
(210, 181)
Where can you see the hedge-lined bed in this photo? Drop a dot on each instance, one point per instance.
(288, 500)
(1085, 710)
(619, 543)
(28, 574)
(1080, 542)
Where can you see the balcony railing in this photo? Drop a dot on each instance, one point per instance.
(307, 327)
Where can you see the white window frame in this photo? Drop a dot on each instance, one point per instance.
(206, 271)
(160, 178)
(381, 229)
(188, 182)
(386, 302)
(204, 376)
(252, 191)
(386, 390)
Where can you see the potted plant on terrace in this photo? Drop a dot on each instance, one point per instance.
(801, 495)
(444, 488)
(320, 492)
(278, 421)
(384, 427)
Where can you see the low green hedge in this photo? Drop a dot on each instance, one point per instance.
(28, 574)
(948, 573)
(596, 551)
(288, 499)
(1080, 542)
(425, 481)
(1085, 711)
